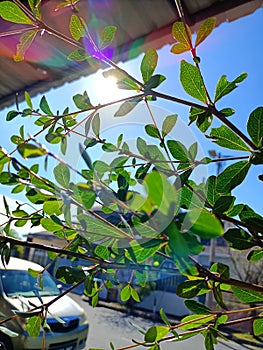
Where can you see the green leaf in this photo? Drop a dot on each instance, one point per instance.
(148, 64)
(99, 227)
(76, 27)
(258, 326)
(51, 225)
(28, 100)
(154, 82)
(164, 317)
(209, 340)
(255, 126)
(168, 124)
(232, 176)
(162, 193)
(152, 131)
(190, 289)
(239, 239)
(197, 307)
(30, 151)
(247, 296)
(11, 115)
(52, 207)
(107, 36)
(123, 82)
(202, 118)
(221, 270)
(249, 216)
(181, 35)
(33, 326)
(195, 321)
(125, 293)
(62, 175)
(25, 41)
(126, 107)
(223, 204)
(156, 333)
(45, 107)
(224, 86)
(178, 150)
(192, 81)
(95, 124)
(141, 251)
(12, 13)
(204, 223)
(255, 255)
(135, 295)
(180, 48)
(205, 29)
(78, 55)
(82, 101)
(225, 137)
(35, 6)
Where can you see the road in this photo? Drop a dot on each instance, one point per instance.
(108, 325)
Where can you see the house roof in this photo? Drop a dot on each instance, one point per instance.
(141, 24)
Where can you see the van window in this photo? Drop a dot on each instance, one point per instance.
(20, 282)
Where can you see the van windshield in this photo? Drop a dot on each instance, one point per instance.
(20, 282)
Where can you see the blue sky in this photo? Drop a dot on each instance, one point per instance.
(231, 49)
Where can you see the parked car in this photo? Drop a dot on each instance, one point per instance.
(19, 291)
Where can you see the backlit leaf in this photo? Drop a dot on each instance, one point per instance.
(181, 35)
(25, 41)
(33, 326)
(148, 65)
(224, 86)
(62, 175)
(205, 29)
(76, 27)
(99, 227)
(168, 124)
(204, 223)
(225, 137)
(232, 176)
(11, 12)
(123, 82)
(126, 107)
(255, 126)
(125, 293)
(192, 81)
(30, 151)
(179, 48)
(82, 101)
(78, 55)
(107, 36)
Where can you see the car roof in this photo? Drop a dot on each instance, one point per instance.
(20, 264)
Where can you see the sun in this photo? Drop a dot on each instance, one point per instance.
(106, 89)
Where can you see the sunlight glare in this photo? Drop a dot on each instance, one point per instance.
(107, 90)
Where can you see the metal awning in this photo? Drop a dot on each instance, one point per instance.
(141, 24)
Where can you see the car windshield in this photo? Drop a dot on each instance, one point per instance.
(20, 282)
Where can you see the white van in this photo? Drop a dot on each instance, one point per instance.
(18, 293)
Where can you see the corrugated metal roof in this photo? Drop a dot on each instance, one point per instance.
(141, 24)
